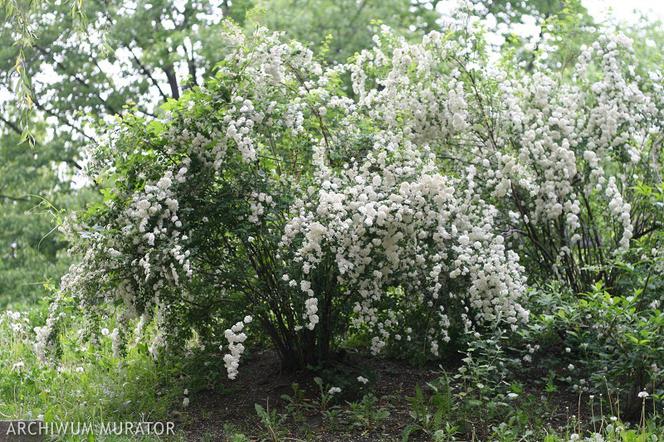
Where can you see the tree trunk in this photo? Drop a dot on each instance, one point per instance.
(172, 81)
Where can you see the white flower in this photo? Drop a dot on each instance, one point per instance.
(18, 366)
(512, 396)
(643, 394)
(334, 390)
(362, 380)
(185, 402)
(235, 338)
(116, 342)
(105, 331)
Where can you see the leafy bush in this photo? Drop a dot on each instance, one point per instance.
(243, 204)
(603, 344)
(275, 203)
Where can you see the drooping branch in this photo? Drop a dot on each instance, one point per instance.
(14, 127)
(14, 198)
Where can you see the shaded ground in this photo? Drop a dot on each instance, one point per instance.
(261, 382)
(215, 415)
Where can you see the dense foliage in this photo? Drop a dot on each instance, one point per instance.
(400, 208)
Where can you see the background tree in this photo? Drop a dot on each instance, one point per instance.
(31, 252)
(346, 26)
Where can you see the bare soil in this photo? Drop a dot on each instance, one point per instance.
(216, 414)
(261, 381)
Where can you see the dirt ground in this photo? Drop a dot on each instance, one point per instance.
(261, 381)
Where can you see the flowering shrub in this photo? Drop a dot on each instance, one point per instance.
(560, 153)
(277, 194)
(407, 227)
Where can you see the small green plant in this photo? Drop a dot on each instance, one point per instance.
(550, 386)
(327, 394)
(366, 414)
(604, 341)
(271, 421)
(447, 434)
(297, 405)
(429, 411)
(232, 434)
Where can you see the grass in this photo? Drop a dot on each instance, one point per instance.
(86, 385)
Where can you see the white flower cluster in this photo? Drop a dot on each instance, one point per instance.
(572, 140)
(557, 142)
(44, 338)
(620, 210)
(311, 307)
(154, 213)
(16, 321)
(425, 105)
(240, 121)
(150, 243)
(259, 201)
(235, 338)
(406, 226)
(115, 339)
(116, 343)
